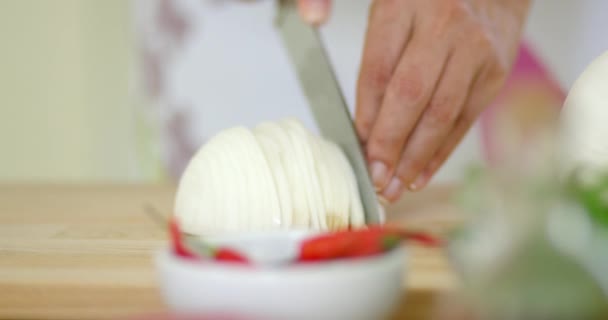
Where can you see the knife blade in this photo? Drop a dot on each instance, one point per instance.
(322, 90)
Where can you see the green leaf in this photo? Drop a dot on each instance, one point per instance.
(592, 195)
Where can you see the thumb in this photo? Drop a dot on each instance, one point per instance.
(314, 12)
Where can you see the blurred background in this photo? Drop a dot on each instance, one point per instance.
(125, 91)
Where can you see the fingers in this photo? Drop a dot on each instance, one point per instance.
(407, 95)
(390, 25)
(460, 129)
(314, 12)
(427, 71)
(437, 121)
(481, 93)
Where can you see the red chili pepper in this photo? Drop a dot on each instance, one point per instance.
(419, 237)
(341, 244)
(327, 246)
(176, 238)
(218, 254)
(229, 255)
(423, 239)
(375, 240)
(370, 241)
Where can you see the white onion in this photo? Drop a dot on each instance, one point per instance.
(585, 119)
(276, 176)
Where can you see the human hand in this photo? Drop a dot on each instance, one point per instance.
(428, 70)
(314, 12)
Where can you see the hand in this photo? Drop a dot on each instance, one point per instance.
(314, 12)
(428, 70)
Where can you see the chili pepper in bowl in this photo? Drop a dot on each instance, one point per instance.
(216, 254)
(229, 255)
(374, 240)
(179, 248)
(327, 246)
(348, 243)
(364, 242)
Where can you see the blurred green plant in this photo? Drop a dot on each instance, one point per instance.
(590, 190)
(535, 246)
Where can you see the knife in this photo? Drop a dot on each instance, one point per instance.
(325, 98)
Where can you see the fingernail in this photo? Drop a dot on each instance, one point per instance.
(419, 183)
(393, 190)
(383, 201)
(314, 11)
(379, 172)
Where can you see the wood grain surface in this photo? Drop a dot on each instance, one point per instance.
(85, 251)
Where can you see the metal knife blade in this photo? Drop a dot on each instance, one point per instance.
(325, 98)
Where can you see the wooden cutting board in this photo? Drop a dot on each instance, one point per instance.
(85, 251)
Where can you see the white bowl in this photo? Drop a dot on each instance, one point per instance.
(366, 289)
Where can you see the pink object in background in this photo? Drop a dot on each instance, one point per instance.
(530, 99)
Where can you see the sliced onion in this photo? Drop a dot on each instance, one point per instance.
(276, 176)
